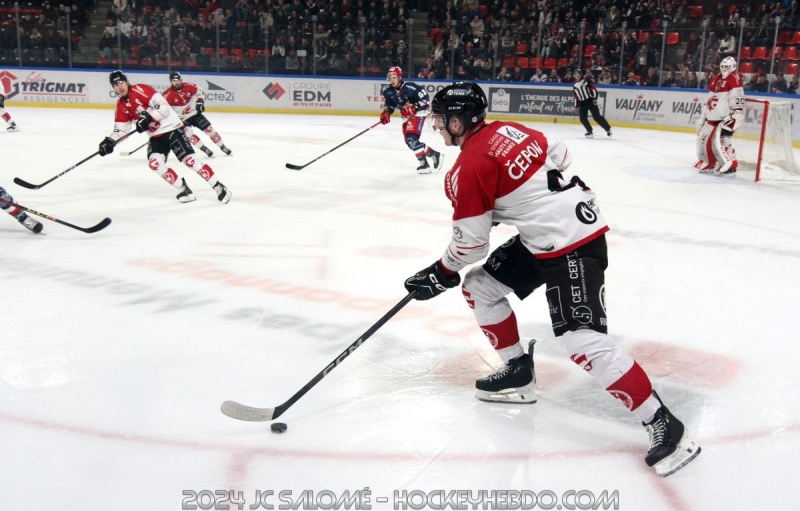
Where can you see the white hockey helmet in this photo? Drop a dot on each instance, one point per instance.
(727, 66)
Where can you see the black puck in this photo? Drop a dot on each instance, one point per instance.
(278, 427)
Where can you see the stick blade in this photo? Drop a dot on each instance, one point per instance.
(99, 227)
(26, 184)
(294, 167)
(242, 412)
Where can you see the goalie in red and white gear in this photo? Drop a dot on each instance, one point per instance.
(141, 108)
(12, 126)
(188, 101)
(722, 115)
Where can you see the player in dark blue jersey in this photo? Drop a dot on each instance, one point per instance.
(413, 102)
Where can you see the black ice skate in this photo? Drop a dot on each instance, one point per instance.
(29, 222)
(608, 133)
(589, 135)
(12, 127)
(670, 446)
(223, 194)
(438, 159)
(424, 166)
(225, 150)
(185, 194)
(206, 150)
(512, 383)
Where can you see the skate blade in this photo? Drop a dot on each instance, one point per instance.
(188, 198)
(227, 197)
(424, 171)
(686, 451)
(441, 162)
(523, 395)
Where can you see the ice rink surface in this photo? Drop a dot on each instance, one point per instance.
(117, 348)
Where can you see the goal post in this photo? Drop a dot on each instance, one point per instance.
(764, 141)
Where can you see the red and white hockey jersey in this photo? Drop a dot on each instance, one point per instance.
(506, 173)
(142, 98)
(184, 101)
(725, 95)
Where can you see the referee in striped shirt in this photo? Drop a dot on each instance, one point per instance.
(586, 101)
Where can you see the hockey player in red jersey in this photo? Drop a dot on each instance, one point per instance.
(147, 110)
(188, 101)
(28, 221)
(12, 126)
(722, 115)
(412, 101)
(506, 173)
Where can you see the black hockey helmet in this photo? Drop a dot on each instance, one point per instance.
(117, 76)
(175, 76)
(464, 100)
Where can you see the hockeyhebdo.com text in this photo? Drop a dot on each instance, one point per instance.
(401, 500)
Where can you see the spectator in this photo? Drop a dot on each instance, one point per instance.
(516, 75)
(727, 47)
(752, 83)
(792, 87)
(670, 80)
(485, 70)
(292, 62)
(703, 82)
(504, 75)
(632, 81)
(106, 46)
(651, 80)
(778, 85)
(605, 78)
(427, 72)
(539, 76)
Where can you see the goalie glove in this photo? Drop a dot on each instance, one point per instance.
(107, 146)
(431, 282)
(408, 111)
(200, 106)
(143, 124)
(732, 122)
(385, 118)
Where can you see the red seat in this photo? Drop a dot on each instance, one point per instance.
(521, 49)
(784, 37)
(656, 23)
(673, 38)
(252, 52)
(550, 63)
(792, 68)
(207, 51)
(563, 62)
(589, 50)
(746, 67)
(695, 11)
(224, 52)
(760, 52)
(789, 53)
(642, 37)
(436, 35)
(795, 38)
(522, 62)
(536, 62)
(508, 61)
(484, 10)
(745, 52)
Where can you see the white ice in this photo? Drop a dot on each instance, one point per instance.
(117, 348)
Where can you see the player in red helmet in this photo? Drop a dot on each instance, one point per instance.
(413, 102)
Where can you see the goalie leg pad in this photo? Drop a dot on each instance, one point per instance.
(730, 163)
(706, 155)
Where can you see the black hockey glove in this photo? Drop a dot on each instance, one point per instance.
(107, 146)
(200, 106)
(143, 124)
(432, 281)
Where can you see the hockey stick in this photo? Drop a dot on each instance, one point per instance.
(126, 153)
(248, 413)
(30, 186)
(300, 167)
(89, 230)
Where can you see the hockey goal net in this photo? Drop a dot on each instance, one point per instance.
(764, 142)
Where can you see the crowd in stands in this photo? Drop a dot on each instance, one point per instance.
(43, 31)
(507, 40)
